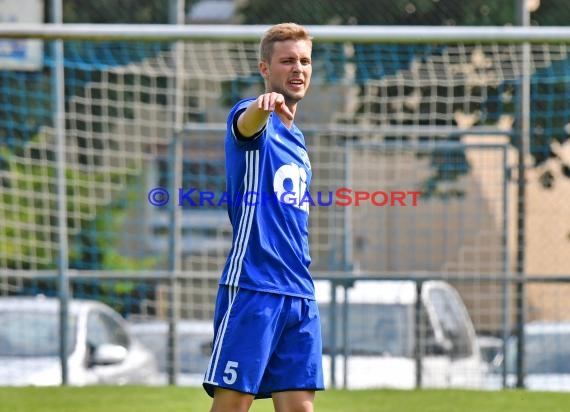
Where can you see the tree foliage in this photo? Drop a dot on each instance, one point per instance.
(115, 11)
(381, 12)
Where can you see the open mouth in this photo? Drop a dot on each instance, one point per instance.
(296, 83)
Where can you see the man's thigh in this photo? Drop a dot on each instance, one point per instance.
(296, 362)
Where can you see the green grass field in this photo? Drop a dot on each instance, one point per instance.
(178, 399)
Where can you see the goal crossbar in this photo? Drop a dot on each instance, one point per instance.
(329, 33)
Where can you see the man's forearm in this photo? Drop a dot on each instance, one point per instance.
(252, 120)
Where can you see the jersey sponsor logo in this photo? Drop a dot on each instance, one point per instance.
(290, 182)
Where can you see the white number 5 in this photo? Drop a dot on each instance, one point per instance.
(230, 373)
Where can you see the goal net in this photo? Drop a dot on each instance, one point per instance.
(440, 119)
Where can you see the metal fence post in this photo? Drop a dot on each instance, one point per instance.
(418, 333)
(174, 263)
(523, 145)
(58, 84)
(332, 333)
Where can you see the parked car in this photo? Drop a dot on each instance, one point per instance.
(546, 355)
(491, 348)
(195, 339)
(381, 338)
(100, 348)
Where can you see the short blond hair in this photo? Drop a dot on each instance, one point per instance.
(281, 32)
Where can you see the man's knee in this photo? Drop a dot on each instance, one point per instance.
(294, 401)
(226, 400)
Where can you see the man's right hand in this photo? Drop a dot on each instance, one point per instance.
(274, 102)
(253, 119)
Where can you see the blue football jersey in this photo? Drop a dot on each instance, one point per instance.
(267, 187)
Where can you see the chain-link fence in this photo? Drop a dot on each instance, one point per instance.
(424, 137)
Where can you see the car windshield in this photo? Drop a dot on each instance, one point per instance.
(545, 353)
(32, 334)
(193, 348)
(373, 329)
(548, 353)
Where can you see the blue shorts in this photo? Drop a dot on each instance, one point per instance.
(264, 343)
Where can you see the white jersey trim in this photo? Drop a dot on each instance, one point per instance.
(219, 339)
(251, 184)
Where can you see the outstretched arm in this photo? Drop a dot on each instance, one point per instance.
(253, 119)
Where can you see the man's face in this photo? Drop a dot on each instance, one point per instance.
(289, 71)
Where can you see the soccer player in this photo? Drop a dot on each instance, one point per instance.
(267, 328)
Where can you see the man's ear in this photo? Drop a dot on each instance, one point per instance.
(263, 69)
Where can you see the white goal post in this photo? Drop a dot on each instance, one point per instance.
(328, 33)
